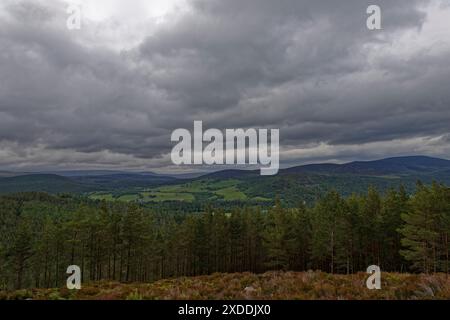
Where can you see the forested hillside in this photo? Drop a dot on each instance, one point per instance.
(41, 234)
(229, 188)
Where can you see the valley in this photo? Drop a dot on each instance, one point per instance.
(300, 184)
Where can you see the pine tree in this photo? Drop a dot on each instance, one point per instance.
(372, 226)
(326, 233)
(279, 238)
(420, 232)
(394, 204)
(302, 231)
(21, 250)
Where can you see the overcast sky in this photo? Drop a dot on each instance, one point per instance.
(109, 95)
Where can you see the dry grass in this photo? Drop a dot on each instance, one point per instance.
(270, 285)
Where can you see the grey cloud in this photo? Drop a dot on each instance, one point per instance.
(310, 68)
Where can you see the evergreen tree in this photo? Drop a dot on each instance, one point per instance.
(420, 232)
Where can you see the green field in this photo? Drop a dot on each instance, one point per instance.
(128, 197)
(227, 190)
(159, 196)
(102, 196)
(231, 193)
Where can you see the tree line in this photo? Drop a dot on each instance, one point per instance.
(41, 235)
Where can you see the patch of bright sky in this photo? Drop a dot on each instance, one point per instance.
(123, 24)
(431, 38)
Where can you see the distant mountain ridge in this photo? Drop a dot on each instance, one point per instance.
(7, 174)
(50, 183)
(53, 183)
(393, 165)
(383, 166)
(308, 180)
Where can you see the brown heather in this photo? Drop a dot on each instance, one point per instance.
(267, 286)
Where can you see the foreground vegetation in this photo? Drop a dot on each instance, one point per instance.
(270, 285)
(41, 235)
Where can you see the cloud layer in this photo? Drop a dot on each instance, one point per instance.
(110, 94)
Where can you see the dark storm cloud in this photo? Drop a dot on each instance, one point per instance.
(226, 49)
(310, 68)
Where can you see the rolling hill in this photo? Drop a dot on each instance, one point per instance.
(308, 182)
(7, 174)
(292, 185)
(398, 165)
(50, 183)
(53, 183)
